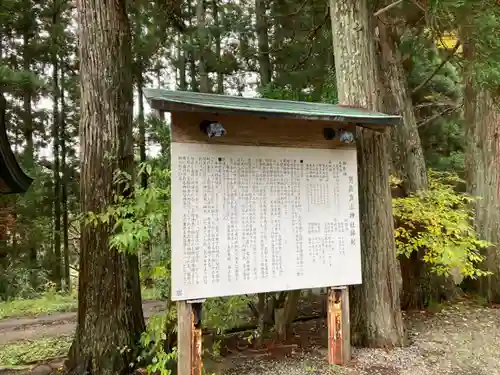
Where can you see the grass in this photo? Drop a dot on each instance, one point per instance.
(50, 303)
(46, 304)
(150, 294)
(24, 352)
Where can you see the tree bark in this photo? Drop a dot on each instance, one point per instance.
(64, 189)
(418, 284)
(376, 314)
(27, 95)
(407, 154)
(56, 265)
(181, 59)
(265, 79)
(217, 35)
(263, 42)
(192, 57)
(482, 169)
(110, 317)
(142, 126)
(202, 45)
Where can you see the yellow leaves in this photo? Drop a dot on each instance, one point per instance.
(438, 221)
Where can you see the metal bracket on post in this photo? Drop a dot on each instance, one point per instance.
(201, 300)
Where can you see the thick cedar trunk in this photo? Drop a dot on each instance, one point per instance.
(110, 317)
(263, 42)
(419, 285)
(407, 154)
(203, 41)
(482, 166)
(376, 314)
(56, 265)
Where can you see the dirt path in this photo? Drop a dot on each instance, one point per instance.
(460, 340)
(57, 324)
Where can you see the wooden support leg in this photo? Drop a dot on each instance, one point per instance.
(339, 330)
(189, 339)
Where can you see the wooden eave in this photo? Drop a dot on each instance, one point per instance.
(184, 101)
(12, 179)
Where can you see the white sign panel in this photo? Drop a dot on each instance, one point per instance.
(251, 219)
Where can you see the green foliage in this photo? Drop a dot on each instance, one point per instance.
(439, 221)
(272, 91)
(153, 344)
(18, 80)
(437, 104)
(16, 282)
(225, 313)
(135, 219)
(24, 352)
(327, 92)
(478, 21)
(48, 303)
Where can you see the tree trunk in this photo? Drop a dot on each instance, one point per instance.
(261, 318)
(217, 34)
(29, 152)
(263, 42)
(181, 60)
(482, 167)
(419, 285)
(202, 45)
(192, 58)
(142, 127)
(110, 317)
(64, 188)
(265, 79)
(56, 265)
(376, 314)
(407, 154)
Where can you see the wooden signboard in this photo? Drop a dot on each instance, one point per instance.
(265, 200)
(270, 206)
(252, 219)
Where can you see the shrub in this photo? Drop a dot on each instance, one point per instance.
(439, 221)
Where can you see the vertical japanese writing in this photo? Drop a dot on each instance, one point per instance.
(352, 212)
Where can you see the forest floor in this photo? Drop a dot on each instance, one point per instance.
(458, 339)
(55, 324)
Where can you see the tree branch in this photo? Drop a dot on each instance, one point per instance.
(298, 10)
(437, 115)
(443, 63)
(310, 38)
(385, 9)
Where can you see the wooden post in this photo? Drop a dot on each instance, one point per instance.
(189, 338)
(339, 326)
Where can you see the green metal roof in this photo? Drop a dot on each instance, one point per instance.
(10, 172)
(185, 101)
